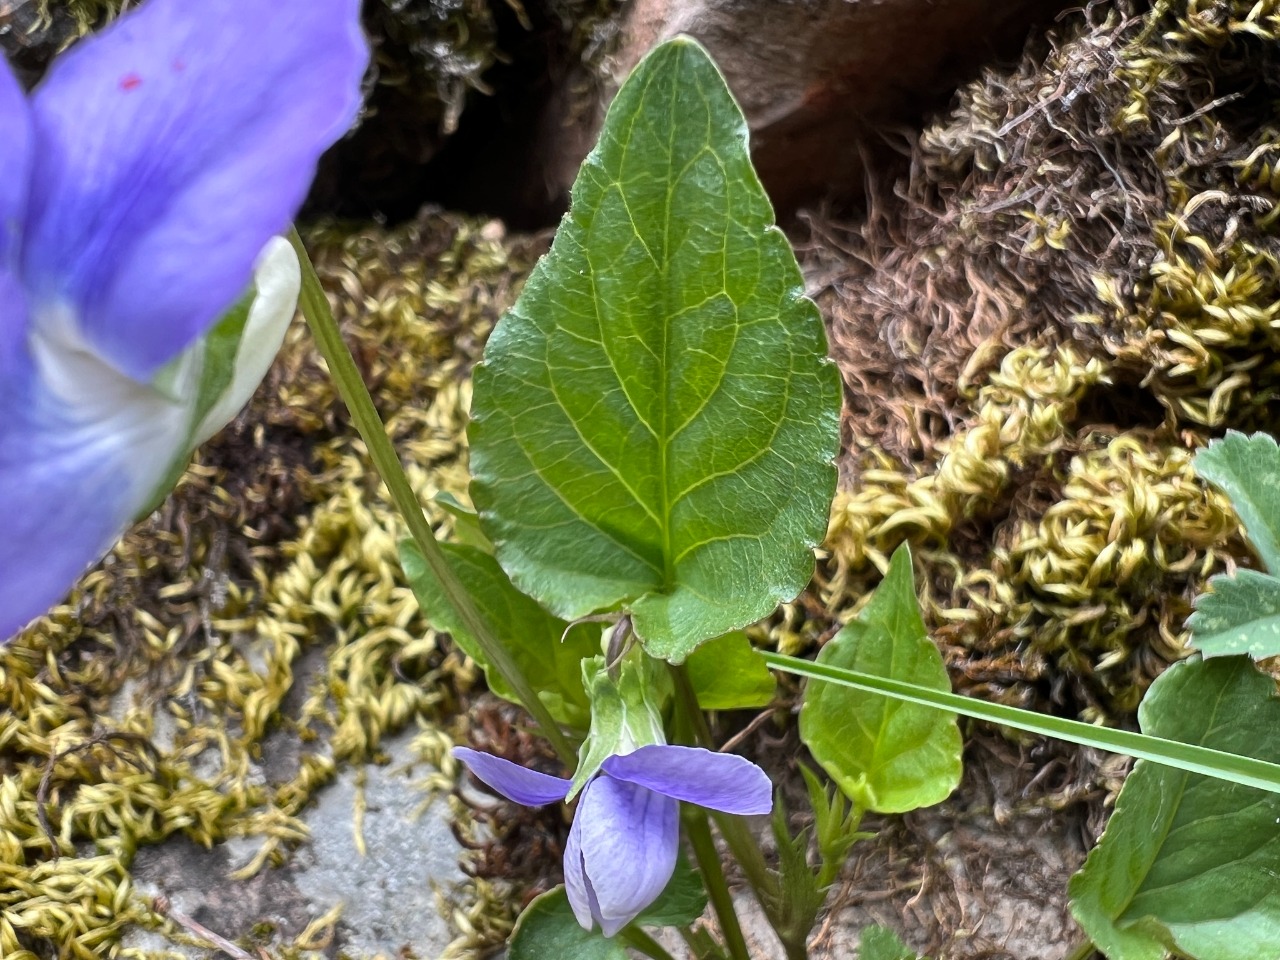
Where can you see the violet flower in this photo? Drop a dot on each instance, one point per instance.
(139, 185)
(626, 834)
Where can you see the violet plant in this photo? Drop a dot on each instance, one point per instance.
(655, 425)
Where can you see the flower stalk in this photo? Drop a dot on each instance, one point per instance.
(354, 393)
(698, 830)
(639, 940)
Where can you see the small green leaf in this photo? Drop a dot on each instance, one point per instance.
(1188, 862)
(552, 666)
(683, 901)
(548, 928)
(1241, 615)
(1248, 470)
(655, 422)
(835, 826)
(466, 525)
(886, 755)
(794, 895)
(728, 674)
(881, 943)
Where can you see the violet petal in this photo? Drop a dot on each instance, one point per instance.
(719, 781)
(630, 838)
(171, 147)
(582, 899)
(517, 783)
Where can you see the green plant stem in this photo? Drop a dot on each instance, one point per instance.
(741, 843)
(1082, 951)
(354, 393)
(698, 829)
(645, 943)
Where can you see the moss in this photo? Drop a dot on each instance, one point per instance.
(1072, 288)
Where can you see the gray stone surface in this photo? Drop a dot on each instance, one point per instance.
(388, 894)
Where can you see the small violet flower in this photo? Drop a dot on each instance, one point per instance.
(626, 834)
(143, 186)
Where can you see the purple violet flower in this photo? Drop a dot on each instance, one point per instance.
(626, 834)
(140, 183)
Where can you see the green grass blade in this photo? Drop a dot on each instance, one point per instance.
(1183, 756)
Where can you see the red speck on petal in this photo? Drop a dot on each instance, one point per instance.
(130, 81)
(179, 66)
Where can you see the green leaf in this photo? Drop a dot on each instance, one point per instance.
(655, 421)
(881, 943)
(466, 524)
(1241, 615)
(683, 900)
(552, 666)
(728, 674)
(794, 895)
(547, 928)
(1187, 862)
(886, 755)
(835, 826)
(1248, 470)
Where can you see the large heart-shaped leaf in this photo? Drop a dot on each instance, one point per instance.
(1248, 469)
(1242, 615)
(1189, 862)
(885, 754)
(655, 420)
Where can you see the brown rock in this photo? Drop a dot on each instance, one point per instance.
(816, 77)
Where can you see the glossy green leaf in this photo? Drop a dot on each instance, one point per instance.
(886, 755)
(683, 901)
(881, 943)
(728, 674)
(655, 421)
(1241, 615)
(1189, 862)
(533, 636)
(547, 929)
(1248, 470)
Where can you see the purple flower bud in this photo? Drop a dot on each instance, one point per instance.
(626, 834)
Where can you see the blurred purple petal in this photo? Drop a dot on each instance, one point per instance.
(15, 163)
(630, 838)
(517, 783)
(581, 897)
(15, 166)
(82, 448)
(720, 781)
(171, 147)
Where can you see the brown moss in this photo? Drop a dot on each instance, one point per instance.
(1068, 287)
